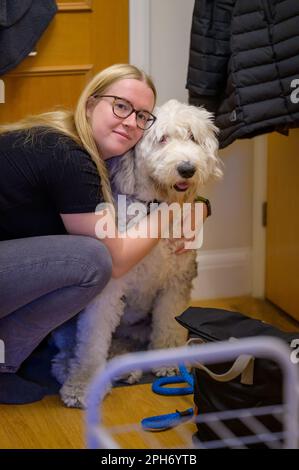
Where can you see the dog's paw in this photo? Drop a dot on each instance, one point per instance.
(165, 371)
(74, 395)
(60, 368)
(134, 377)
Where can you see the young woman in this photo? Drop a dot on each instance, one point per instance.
(53, 175)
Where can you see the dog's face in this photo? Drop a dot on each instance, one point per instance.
(177, 155)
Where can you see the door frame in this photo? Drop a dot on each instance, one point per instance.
(139, 34)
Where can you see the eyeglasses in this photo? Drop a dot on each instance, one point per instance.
(122, 109)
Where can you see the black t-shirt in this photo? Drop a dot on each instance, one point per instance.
(41, 179)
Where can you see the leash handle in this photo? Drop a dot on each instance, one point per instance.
(163, 422)
(158, 385)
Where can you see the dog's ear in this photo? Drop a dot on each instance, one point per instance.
(211, 145)
(207, 136)
(216, 165)
(123, 175)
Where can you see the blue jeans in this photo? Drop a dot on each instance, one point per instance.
(45, 281)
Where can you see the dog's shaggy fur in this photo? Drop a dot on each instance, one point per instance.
(161, 283)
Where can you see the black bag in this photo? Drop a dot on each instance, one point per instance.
(211, 395)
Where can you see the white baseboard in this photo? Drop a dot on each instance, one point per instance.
(223, 273)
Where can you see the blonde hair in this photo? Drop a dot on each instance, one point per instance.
(76, 125)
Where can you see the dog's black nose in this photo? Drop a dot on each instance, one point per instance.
(186, 169)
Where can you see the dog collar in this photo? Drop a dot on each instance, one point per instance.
(206, 202)
(148, 204)
(197, 199)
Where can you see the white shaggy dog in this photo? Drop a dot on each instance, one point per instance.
(171, 163)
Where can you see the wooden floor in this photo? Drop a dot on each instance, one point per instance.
(49, 425)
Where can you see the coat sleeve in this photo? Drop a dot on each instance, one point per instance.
(209, 51)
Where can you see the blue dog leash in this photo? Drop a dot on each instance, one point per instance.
(164, 422)
(185, 377)
(167, 421)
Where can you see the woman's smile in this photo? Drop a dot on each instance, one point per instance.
(123, 134)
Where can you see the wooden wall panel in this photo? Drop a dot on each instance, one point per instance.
(84, 37)
(29, 93)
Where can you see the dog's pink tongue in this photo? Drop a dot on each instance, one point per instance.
(182, 185)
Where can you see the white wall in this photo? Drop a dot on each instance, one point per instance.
(160, 37)
(169, 40)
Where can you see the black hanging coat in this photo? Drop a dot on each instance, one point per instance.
(244, 65)
(22, 22)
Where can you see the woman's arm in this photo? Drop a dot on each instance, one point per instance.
(125, 251)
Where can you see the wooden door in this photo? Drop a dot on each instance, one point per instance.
(282, 258)
(84, 37)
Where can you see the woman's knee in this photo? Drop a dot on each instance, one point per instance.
(97, 256)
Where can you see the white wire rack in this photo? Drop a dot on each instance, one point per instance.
(101, 437)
